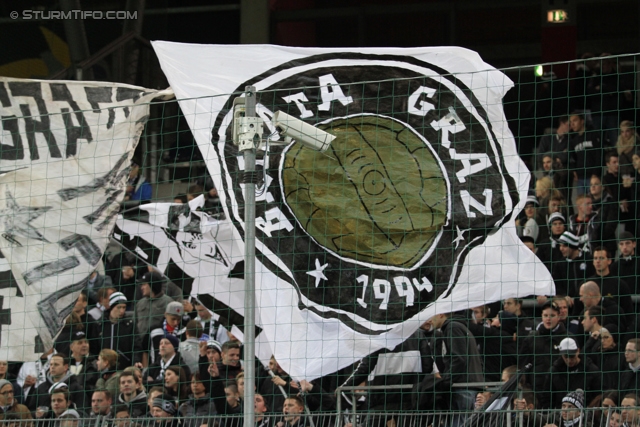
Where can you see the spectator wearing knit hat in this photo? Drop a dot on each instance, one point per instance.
(549, 251)
(572, 414)
(117, 332)
(164, 411)
(576, 267)
(169, 356)
(210, 355)
(528, 221)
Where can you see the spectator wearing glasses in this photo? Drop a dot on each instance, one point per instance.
(610, 360)
(9, 405)
(630, 378)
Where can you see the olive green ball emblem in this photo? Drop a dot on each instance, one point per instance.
(378, 196)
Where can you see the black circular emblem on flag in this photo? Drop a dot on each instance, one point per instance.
(375, 229)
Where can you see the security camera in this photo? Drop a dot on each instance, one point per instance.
(304, 133)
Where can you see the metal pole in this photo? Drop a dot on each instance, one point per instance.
(249, 268)
(521, 414)
(76, 38)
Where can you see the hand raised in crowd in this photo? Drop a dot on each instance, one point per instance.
(481, 399)
(278, 381)
(41, 411)
(519, 404)
(213, 370)
(495, 322)
(306, 386)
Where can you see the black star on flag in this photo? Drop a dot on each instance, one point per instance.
(17, 220)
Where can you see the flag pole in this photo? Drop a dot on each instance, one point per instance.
(250, 176)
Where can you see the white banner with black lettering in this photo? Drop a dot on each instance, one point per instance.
(66, 148)
(409, 213)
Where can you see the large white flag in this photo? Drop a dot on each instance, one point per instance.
(66, 151)
(409, 213)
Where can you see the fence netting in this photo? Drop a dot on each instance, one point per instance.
(154, 336)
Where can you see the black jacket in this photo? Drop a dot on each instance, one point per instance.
(563, 379)
(88, 375)
(629, 380)
(612, 287)
(585, 152)
(120, 337)
(196, 411)
(609, 363)
(459, 361)
(569, 274)
(555, 145)
(496, 347)
(539, 349)
(628, 270)
(155, 370)
(608, 218)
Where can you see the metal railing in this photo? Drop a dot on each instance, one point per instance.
(592, 417)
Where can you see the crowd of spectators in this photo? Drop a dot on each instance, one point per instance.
(135, 347)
